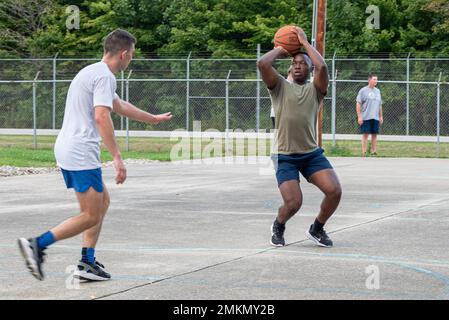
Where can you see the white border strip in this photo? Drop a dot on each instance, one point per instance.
(217, 134)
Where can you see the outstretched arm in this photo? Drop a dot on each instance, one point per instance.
(321, 77)
(265, 64)
(128, 110)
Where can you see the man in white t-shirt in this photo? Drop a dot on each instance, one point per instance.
(87, 121)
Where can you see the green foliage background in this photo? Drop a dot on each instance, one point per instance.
(219, 28)
(223, 29)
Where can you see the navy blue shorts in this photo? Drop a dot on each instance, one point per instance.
(288, 166)
(82, 180)
(370, 126)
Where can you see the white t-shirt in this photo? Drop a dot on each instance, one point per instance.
(78, 144)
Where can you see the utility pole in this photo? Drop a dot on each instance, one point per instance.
(320, 37)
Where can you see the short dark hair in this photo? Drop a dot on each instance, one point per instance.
(306, 55)
(371, 75)
(118, 40)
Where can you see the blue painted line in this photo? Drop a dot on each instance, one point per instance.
(435, 275)
(443, 263)
(366, 257)
(10, 274)
(365, 293)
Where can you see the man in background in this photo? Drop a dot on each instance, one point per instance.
(369, 114)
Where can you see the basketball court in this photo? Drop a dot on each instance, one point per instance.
(199, 231)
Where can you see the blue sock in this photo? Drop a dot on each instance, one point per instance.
(45, 240)
(88, 255)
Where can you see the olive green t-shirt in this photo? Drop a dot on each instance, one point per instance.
(296, 108)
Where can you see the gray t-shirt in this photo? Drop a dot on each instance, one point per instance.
(296, 109)
(371, 101)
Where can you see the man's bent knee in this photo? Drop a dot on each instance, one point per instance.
(293, 205)
(335, 192)
(92, 219)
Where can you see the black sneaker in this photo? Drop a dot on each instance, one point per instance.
(277, 234)
(319, 237)
(99, 264)
(34, 257)
(91, 271)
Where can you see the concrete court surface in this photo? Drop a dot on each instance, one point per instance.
(198, 231)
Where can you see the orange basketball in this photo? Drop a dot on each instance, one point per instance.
(287, 39)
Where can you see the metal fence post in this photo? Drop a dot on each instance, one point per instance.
(127, 119)
(227, 112)
(34, 111)
(314, 23)
(122, 85)
(188, 90)
(227, 101)
(407, 130)
(438, 115)
(258, 92)
(54, 91)
(334, 97)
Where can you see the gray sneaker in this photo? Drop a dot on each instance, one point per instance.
(91, 272)
(34, 257)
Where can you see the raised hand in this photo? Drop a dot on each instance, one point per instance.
(284, 52)
(302, 37)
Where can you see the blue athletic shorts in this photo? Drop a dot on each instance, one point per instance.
(370, 126)
(288, 166)
(82, 180)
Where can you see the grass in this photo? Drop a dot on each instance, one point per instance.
(18, 150)
(390, 149)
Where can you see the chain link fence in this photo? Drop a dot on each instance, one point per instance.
(227, 94)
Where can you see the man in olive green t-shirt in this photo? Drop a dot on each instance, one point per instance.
(296, 107)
